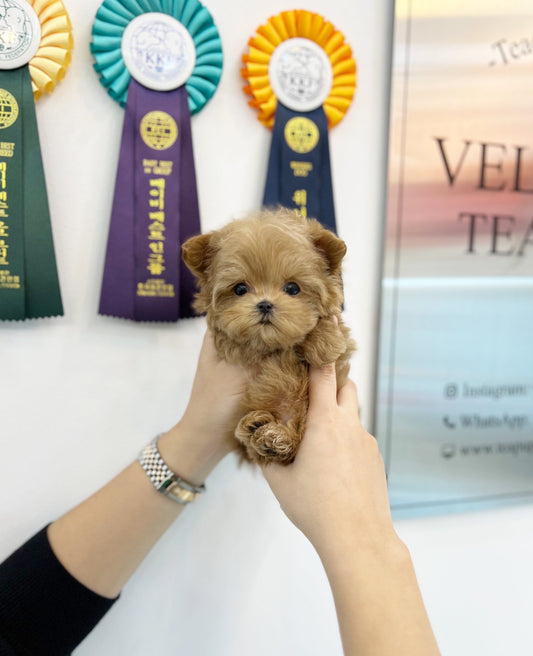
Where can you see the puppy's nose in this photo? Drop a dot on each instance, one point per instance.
(265, 307)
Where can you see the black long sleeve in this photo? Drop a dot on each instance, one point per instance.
(44, 610)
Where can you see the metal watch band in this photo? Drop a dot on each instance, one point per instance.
(164, 479)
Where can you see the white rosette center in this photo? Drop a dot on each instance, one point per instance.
(300, 74)
(20, 34)
(158, 51)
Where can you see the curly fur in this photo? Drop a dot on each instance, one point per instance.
(265, 252)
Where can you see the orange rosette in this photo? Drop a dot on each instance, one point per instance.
(49, 64)
(307, 25)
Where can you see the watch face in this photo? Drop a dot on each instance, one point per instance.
(20, 33)
(180, 493)
(300, 74)
(158, 51)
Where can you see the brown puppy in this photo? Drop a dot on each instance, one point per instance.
(271, 285)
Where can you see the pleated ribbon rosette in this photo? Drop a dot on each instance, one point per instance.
(35, 52)
(301, 77)
(162, 59)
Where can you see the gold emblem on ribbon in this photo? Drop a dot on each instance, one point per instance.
(301, 134)
(9, 109)
(158, 130)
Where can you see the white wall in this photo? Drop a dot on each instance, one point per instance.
(80, 395)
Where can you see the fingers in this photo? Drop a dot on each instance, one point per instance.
(322, 389)
(323, 384)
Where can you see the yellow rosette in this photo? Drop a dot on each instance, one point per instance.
(307, 25)
(301, 77)
(50, 62)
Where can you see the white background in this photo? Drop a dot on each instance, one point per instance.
(82, 394)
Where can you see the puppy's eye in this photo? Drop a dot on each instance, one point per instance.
(240, 289)
(291, 288)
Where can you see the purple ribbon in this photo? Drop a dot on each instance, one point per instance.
(155, 209)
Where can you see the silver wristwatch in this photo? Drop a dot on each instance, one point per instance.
(164, 479)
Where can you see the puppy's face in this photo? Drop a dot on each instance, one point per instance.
(266, 281)
(265, 290)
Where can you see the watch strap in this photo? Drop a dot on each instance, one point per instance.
(164, 479)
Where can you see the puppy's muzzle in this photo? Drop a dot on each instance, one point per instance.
(265, 309)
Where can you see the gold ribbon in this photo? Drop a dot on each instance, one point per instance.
(303, 24)
(50, 62)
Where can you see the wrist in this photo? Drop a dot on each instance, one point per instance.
(188, 454)
(347, 550)
(368, 568)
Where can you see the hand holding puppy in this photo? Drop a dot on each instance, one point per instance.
(335, 491)
(269, 285)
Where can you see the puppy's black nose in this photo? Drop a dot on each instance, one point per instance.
(265, 307)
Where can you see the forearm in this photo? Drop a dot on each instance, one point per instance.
(102, 541)
(378, 601)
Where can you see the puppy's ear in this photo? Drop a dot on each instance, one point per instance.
(197, 253)
(328, 244)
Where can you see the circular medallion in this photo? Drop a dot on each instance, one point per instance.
(301, 134)
(158, 130)
(20, 33)
(9, 109)
(300, 74)
(158, 51)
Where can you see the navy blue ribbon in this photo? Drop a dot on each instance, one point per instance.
(299, 169)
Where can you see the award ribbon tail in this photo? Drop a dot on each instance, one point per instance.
(299, 170)
(155, 209)
(29, 284)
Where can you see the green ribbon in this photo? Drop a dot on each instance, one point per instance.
(29, 284)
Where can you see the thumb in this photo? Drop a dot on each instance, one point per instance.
(322, 389)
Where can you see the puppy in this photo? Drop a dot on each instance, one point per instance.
(271, 286)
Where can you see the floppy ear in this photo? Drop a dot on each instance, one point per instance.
(328, 245)
(197, 253)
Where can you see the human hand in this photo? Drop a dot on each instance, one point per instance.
(204, 435)
(335, 491)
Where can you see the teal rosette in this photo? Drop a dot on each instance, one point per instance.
(113, 17)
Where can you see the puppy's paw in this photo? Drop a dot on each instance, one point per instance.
(250, 424)
(265, 440)
(324, 344)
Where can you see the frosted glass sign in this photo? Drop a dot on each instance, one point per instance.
(454, 411)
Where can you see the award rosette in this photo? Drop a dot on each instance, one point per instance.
(35, 50)
(162, 59)
(301, 76)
